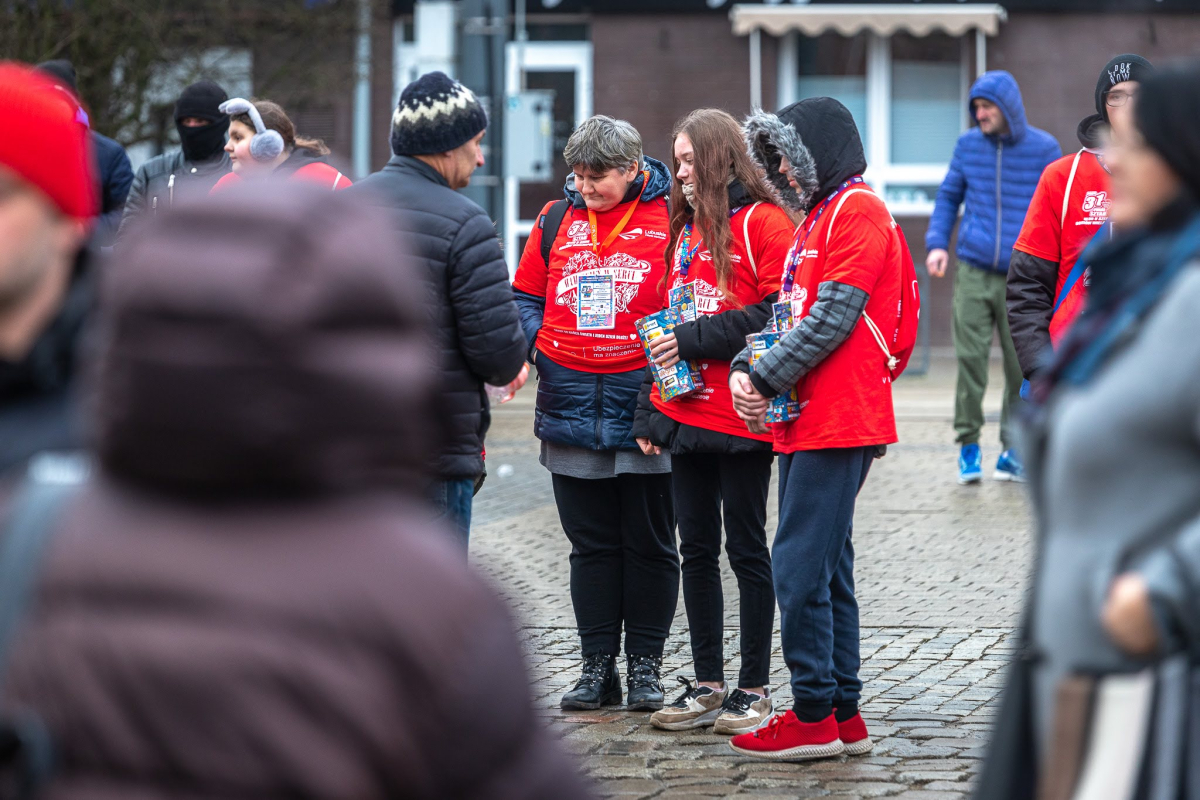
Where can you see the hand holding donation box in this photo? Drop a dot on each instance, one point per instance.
(680, 379)
(784, 407)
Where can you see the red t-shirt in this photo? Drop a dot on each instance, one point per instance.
(635, 261)
(319, 173)
(770, 233)
(846, 400)
(1047, 234)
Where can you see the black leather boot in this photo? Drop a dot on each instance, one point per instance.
(599, 685)
(645, 685)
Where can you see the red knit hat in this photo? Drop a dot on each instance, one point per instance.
(46, 140)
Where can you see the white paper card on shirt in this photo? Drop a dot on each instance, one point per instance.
(1120, 723)
(596, 308)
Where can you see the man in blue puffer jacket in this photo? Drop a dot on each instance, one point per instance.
(994, 171)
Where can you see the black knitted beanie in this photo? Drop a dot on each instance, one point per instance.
(436, 114)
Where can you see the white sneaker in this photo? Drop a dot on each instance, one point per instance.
(743, 712)
(696, 707)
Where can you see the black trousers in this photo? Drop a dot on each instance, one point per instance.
(624, 567)
(703, 483)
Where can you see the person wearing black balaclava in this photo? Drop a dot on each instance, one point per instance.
(1047, 283)
(1113, 452)
(196, 167)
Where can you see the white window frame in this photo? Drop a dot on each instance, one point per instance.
(881, 172)
(541, 57)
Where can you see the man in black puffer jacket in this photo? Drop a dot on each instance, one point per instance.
(436, 131)
(196, 167)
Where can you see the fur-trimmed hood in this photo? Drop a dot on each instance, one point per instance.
(820, 141)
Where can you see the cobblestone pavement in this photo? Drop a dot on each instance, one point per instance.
(940, 573)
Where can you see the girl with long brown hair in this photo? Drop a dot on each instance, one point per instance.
(728, 236)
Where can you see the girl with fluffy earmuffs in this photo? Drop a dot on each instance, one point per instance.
(263, 143)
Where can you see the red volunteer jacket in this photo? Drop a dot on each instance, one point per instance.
(635, 261)
(1068, 208)
(317, 172)
(846, 401)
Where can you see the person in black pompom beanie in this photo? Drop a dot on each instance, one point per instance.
(436, 133)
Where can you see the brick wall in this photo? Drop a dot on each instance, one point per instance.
(1056, 58)
(654, 69)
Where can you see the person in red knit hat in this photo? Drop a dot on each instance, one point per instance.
(48, 197)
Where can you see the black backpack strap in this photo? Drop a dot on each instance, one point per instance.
(550, 222)
(51, 480)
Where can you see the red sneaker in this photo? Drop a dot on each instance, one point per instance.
(786, 738)
(853, 733)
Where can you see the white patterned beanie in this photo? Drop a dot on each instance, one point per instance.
(436, 114)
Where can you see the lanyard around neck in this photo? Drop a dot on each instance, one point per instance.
(797, 254)
(597, 247)
(686, 253)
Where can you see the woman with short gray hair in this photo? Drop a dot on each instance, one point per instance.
(592, 267)
(602, 143)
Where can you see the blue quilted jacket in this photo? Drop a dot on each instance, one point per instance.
(995, 177)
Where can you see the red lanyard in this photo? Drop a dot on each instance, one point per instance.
(598, 248)
(797, 253)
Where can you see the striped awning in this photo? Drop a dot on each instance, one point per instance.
(884, 20)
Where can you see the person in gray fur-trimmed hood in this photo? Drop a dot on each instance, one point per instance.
(835, 275)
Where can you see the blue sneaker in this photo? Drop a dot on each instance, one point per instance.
(1009, 468)
(970, 464)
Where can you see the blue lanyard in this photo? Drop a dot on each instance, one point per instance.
(797, 254)
(686, 254)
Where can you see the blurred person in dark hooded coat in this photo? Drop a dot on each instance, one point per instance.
(246, 600)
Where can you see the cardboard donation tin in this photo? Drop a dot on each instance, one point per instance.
(684, 298)
(683, 378)
(784, 407)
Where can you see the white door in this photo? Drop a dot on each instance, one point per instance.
(566, 68)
